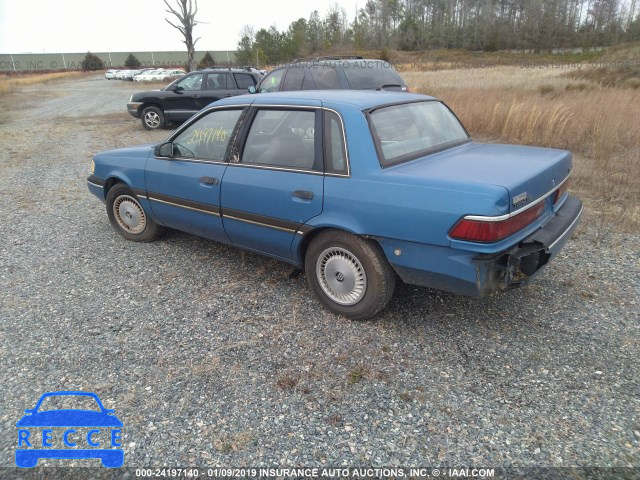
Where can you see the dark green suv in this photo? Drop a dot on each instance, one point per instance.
(189, 94)
(333, 73)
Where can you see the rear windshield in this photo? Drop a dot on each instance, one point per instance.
(368, 74)
(407, 131)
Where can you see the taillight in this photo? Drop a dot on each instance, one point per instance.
(560, 192)
(477, 230)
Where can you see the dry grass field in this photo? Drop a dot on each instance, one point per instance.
(12, 83)
(548, 106)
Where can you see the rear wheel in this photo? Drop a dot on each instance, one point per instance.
(152, 118)
(350, 275)
(128, 216)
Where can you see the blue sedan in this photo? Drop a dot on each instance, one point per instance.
(361, 189)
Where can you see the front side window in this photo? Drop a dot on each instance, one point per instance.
(283, 138)
(294, 78)
(407, 131)
(325, 77)
(271, 82)
(191, 82)
(207, 138)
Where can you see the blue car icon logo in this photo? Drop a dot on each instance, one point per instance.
(64, 433)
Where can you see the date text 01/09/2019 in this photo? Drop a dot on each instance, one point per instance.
(315, 472)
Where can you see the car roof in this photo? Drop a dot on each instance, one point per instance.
(330, 61)
(226, 69)
(360, 99)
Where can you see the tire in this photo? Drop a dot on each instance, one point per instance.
(349, 275)
(152, 118)
(128, 217)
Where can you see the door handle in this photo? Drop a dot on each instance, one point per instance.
(209, 180)
(304, 194)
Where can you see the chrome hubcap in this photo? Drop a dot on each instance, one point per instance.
(152, 119)
(129, 214)
(341, 276)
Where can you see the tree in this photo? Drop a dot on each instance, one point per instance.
(91, 62)
(206, 62)
(132, 61)
(186, 15)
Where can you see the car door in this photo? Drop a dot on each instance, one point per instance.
(274, 182)
(185, 98)
(217, 85)
(184, 188)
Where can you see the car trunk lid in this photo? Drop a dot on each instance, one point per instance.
(527, 173)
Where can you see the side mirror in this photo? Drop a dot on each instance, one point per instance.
(163, 150)
(175, 88)
(252, 89)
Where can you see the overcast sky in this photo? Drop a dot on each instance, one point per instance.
(138, 25)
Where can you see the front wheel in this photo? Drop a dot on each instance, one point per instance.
(128, 216)
(152, 118)
(350, 275)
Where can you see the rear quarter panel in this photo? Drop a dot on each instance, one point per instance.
(380, 203)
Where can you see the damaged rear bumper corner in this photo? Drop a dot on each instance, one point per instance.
(515, 267)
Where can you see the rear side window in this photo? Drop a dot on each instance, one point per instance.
(335, 154)
(369, 74)
(282, 138)
(244, 80)
(325, 77)
(219, 81)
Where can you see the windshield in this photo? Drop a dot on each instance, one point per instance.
(407, 131)
(69, 402)
(369, 74)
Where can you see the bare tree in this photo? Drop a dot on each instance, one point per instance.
(186, 14)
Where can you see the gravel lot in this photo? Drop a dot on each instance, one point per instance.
(214, 356)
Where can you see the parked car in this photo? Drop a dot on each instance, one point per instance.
(166, 74)
(129, 74)
(147, 75)
(110, 74)
(356, 187)
(187, 95)
(141, 71)
(332, 73)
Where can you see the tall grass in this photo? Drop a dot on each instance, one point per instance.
(601, 126)
(12, 83)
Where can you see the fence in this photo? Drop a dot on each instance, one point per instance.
(25, 62)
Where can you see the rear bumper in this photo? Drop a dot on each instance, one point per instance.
(479, 275)
(515, 267)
